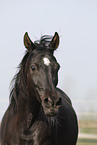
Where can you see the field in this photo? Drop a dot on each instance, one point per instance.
(87, 133)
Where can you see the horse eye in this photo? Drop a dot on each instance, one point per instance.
(33, 68)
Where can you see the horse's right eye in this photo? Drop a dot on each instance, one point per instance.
(33, 68)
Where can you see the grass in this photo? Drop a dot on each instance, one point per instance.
(89, 130)
(84, 143)
(87, 124)
(87, 127)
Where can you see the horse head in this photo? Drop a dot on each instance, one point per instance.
(42, 73)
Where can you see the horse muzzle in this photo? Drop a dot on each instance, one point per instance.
(51, 106)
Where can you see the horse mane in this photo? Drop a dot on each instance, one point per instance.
(44, 40)
(18, 82)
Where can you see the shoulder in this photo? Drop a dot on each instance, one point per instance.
(64, 96)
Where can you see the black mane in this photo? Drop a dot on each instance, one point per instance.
(44, 41)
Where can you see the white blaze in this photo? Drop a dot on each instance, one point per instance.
(46, 61)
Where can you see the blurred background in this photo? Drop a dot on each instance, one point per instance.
(76, 23)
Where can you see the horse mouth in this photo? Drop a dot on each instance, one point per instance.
(51, 113)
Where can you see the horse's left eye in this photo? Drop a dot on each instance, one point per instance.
(33, 68)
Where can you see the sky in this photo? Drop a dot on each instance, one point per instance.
(76, 23)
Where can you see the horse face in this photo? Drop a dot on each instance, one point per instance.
(43, 76)
(43, 72)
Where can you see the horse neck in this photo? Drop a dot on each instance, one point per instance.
(25, 100)
(26, 108)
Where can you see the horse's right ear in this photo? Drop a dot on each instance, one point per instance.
(54, 42)
(28, 43)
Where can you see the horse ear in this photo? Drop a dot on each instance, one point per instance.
(28, 43)
(54, 42)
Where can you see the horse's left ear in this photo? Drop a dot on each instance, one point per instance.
(54, 42)
(28, 43)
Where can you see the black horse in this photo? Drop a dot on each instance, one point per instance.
(39, 113)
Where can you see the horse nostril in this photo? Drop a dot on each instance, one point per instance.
(48, 101)
(59, 102)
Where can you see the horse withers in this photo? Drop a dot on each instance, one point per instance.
(39, 113)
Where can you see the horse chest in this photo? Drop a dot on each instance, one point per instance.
(38, 134)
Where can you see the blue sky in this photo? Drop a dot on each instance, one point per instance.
(76, 23)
